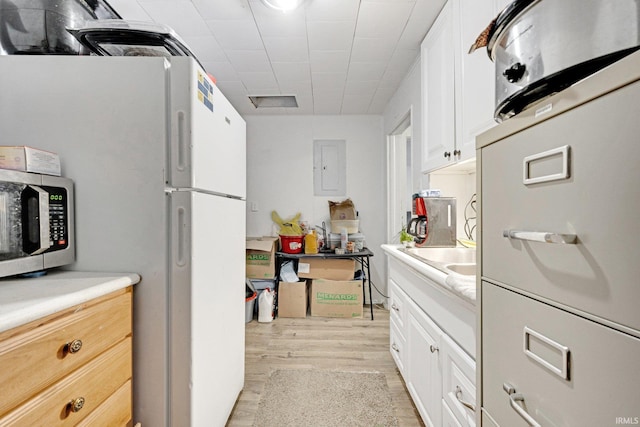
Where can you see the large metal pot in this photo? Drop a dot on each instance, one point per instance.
(39, 26)
(543, 46)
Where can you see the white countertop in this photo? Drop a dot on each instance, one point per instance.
(23, 300)
(462, 286)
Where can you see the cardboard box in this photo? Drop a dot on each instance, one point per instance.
(331, 298)
(261, 257)
(29, 159)
(326, 268)
(292, 299)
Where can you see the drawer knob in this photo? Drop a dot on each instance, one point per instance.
(74, 346)
(395, 348)
(447, 154)
(433, 348)
(457, 152)
(76, 404)
(395, 307)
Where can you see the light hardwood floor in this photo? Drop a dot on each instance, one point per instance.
(320, 343)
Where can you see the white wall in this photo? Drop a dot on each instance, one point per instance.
(280, 175)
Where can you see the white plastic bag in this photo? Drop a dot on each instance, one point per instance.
(266, 305)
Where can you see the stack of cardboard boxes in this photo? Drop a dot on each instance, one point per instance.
(326, 285)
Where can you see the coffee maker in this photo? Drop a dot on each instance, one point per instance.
(433, 221)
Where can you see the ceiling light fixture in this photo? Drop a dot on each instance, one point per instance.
(274, 101)
(283, 5)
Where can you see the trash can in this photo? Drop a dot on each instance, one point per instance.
(250, 301)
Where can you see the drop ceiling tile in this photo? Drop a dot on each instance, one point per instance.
(206, 48)
(260, 82)
(328, 82)
(366, 49)
(355, 104)
(222, 71)
(327, 102)
(223, 9)
(377, 19)
(287, 49)
(380, 100)
(400, 64)
(272, 23)
(332, 10)
(291, 72)
(180, 15)
(330, 35)
(130, 10)
(366, 70)
(236, 35)
(422, 17)
(249, 60)
(361, 87)
(326, 61)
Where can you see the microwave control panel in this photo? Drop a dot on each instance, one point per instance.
(58, 218)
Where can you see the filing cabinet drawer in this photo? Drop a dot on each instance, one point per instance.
(553, 366)
(89, 329)
(587, 187)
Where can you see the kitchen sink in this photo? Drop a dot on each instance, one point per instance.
(458, 260)
(464, 269)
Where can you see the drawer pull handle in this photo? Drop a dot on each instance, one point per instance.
(464, 403)
(74, 346)
(395, 307)
(541, 236)
(563, 371)
(433, 348)
(76, 404)
(395, 348)
(563, 174)
(514, 398)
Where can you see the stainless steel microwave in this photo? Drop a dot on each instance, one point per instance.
(36, 222)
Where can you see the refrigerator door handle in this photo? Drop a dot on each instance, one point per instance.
(182, 237)
(183, 139)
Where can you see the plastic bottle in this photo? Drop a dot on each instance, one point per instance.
(344, 238)
(311, 242)
(265, 306)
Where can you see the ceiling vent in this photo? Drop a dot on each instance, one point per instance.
(274, 101)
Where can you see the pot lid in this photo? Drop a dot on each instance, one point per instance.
(117, 37)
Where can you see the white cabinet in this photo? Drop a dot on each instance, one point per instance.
(437, 92)
(457, 87)
(425, 333)
(424, 375)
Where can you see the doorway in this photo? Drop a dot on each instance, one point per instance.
(399, 178)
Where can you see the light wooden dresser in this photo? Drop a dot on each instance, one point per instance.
(66, 350)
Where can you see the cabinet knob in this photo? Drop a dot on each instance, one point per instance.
(447, 154)
(76, 404)
(73, 346)
(433, 348)
(395, 348)
(457, 152)
(515, 72)
(395, 307)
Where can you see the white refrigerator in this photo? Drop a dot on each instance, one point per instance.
(158, 157)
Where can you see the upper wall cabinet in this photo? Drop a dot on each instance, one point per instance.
(457, 87)
(437, 62)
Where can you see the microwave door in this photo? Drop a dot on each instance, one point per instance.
(35, 220)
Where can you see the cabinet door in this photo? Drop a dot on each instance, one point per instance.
(475, 79)
(438, 92)
(423, 360)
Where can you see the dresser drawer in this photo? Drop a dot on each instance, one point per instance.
(458, 381)
(397, 346)
(598, 202)
(397, 304)
(563, 370)
(39, 355)
(93, 383)
(115, 411)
